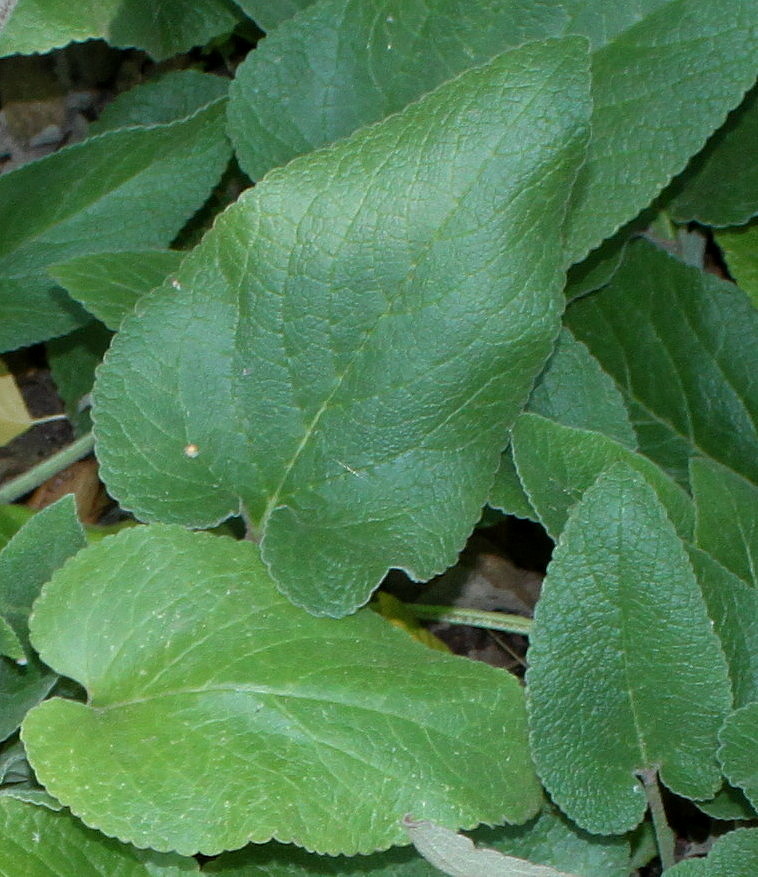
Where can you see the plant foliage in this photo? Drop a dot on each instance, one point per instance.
(361, 269)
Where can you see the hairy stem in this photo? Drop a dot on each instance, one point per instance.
(472, 617)
(46, 469)
(664, 836)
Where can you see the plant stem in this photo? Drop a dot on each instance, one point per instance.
(472, 617)
(46, 469)
(664, 836)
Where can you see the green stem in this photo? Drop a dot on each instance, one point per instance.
(664, 836)
(472, 617)
(40, 473)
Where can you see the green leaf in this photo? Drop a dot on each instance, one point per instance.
(12, 518)
(507, 492)
(739, 750)
(682, 346)
(10, 644)
(557, 463)
(728, 804)
(732, 855)
(270, 13)
(733, 608)
(597, 269)
(73, 360)
(550, 839)
(26, 563)
(280, 860)
(575, 391)
(457, 856)
(108, 193)
(110, 284)
(341, 64)
(720, 185)
(161, 101)
(199, 672)
(37, 842)
(345, 351)
(645, 124)
(162, 29)
(740, 249)
(625, 673)
(726, 518)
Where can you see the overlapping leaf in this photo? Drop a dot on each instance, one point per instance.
(740, 249)
(163, 28)
(24, 567)
(342, 64)
(108, 193)
(732, 855)
(36, 842)
(726, 518)
(621, 649)
(269, 13)
(110, 284)
(720, 185)
(739, 750)
(557, 463)
(683, 347)
(161, 101)
(344, 352)
(214, 704)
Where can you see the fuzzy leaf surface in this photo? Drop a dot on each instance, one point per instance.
(345, 63)
(161, 27)
(739, 750)
(347, 348)
(683, 347)
(31, 556)
(108, 285)
(625, 672)
(720, 185)
(38, 842)
(270, 13)
(108, 193)
(557, 463)
(200, 676)
(734, 854)
(726, 518)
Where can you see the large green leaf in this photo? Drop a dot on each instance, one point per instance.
(108, 193)
(720, 185)
(739, 750)
(219, 713)
(26, 563)
(161, 27)
(732, 855)
(36, 842)
(345, 351)
(625, 672)
(740, 249)
(726, 516)
(683, 348)
(110, 284)
(557, 463)
(344, 63)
